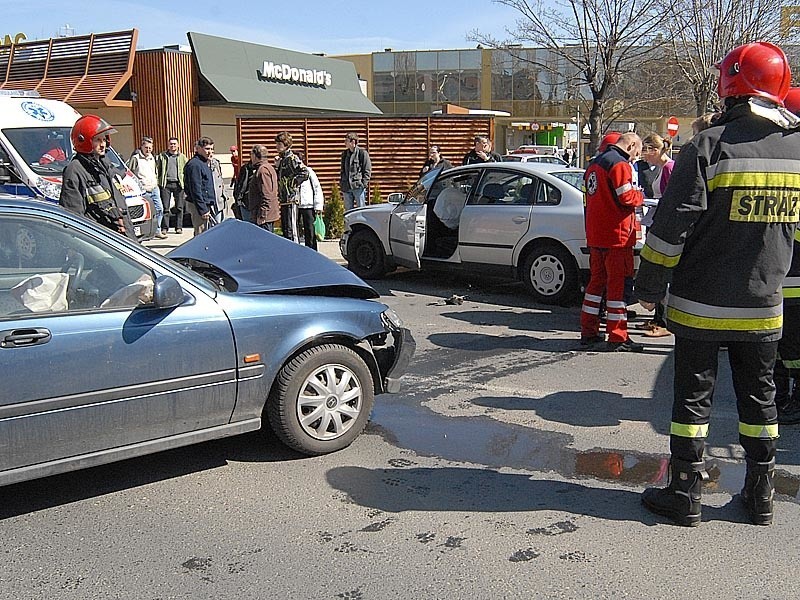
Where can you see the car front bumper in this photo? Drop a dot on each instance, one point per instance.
(393, 360)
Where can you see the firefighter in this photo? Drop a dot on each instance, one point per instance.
(92, 186)
(787, 367)
(723, 238)
(611, 201)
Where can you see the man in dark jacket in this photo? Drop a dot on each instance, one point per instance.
(722, 238)
(91, 185)
(355, 173)
(199, 180)
(265, 208)
(481, 153)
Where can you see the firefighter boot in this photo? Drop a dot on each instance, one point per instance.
(680, 500)
(758, 491)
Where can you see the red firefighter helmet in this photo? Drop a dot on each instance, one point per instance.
(758, 69)
(85, 129)
(792, 100)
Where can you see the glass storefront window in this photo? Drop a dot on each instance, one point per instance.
(469, 59)
(448, 60)
(405, 62)
(426, 61)
(383, 87)
(404, 84)
(426, 87)
(470, 83)
(383, 62)
(502, 69)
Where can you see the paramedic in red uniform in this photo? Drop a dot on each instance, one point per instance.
(611, 201)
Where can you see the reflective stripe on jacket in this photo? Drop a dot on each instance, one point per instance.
(724, 231)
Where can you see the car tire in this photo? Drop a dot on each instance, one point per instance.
(551, 275)
(365, 255)
(330, 380)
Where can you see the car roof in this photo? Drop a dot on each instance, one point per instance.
(14, 201)
(531, 167)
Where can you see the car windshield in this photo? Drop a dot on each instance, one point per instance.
(46, 150)
(418, 193)
(574, 178)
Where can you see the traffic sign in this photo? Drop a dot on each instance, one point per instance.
(672, 126)
(534, 127)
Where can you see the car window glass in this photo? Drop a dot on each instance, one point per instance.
(500, 188)
(547, 194)
(463, 182)
(574, 178)
(48, 268)
(418, 193)
(46, 150)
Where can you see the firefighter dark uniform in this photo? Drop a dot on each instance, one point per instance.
(91, 187)
(611, 226)
(787, 367)
(722, 238)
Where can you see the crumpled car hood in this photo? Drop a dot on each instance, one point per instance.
(262, 262)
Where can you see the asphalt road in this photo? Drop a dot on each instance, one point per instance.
(509, 467)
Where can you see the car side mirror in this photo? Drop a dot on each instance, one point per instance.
(167, 292)
(396, 198)
(5, 171)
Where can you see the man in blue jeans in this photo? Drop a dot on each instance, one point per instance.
(356, 170)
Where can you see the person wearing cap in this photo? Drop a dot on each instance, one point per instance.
(91, 184)
(610, 216)
(722, 239)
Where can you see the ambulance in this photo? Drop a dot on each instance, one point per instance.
(35, 147)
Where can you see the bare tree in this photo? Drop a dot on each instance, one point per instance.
(701, 32)
(600, 42)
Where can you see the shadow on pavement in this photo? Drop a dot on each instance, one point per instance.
(47, 492)
(482, 490)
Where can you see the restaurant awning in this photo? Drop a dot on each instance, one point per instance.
(246, 74)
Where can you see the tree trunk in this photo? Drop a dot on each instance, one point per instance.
(595, 123)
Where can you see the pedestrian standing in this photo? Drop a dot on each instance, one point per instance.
(435, 161)
(611, 201)
(312, 203)
(236, 163)
(291, 173)
(221, 201)
(354, 173)
(481, 152)
(143, 166)
(263, 203)
(169, 168)
(725, 249)
(200, 197)
(241, 188)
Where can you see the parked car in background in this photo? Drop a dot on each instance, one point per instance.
(549, 159)
(521, 219)
(108, 350)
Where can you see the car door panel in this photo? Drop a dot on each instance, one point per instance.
(89, 377)
(407, 234)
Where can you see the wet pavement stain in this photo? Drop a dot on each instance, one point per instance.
(379, 526)
(577, 556)
(485, 441)
(453, 542)
(426, 537)
(355, 594)
(558, 528)
(524, 555)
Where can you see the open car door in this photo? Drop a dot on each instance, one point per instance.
(407, 233)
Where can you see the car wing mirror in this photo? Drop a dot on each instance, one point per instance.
(167, 292)
(396, 198)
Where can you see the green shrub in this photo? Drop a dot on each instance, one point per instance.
(376, 195)
(334, 214)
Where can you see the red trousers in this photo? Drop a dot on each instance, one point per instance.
(609, 267)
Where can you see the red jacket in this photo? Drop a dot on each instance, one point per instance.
(611, 200)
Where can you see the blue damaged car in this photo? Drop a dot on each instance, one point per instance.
(108, 350)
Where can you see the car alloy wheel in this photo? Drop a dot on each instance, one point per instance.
(329, 402)
(321, 399)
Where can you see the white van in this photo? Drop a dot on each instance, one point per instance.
(35, 147)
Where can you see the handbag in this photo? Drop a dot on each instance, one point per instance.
(319, 228)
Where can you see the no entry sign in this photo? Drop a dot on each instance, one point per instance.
(672, 126)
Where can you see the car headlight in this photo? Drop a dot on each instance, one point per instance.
(391, 320)
(49, 189)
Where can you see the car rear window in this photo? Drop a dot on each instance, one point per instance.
(574, 178)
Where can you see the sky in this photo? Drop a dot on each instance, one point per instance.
(332, 27)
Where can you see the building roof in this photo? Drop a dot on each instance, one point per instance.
(86, 71)
(247, 74)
